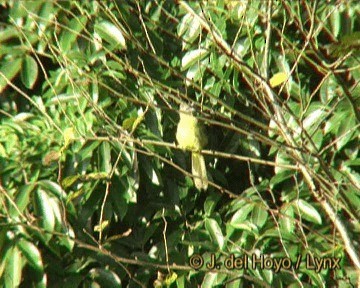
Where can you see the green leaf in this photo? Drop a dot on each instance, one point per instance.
(44, 212)
(55, 206)
(259, 215)
(13, 268)
(115, 70)
(317, 279)
(94, 176)
(209, 280)
(346, 44)
(31, 253)
(69, 181)
(105, 157)
(354, 162)
(22, 199)
(54, 188)
(72, 32)
(29, 72)
(192, 57)
(307, 211)
(6, 240)
(8, 33)
(184, 24)
(210, 203)
(151, 172)
(346, 132)
(329, 89)
(353, 196)
(120, 203)
(241, 215)
(67, 240)
(189, 29)
(351, 40)
(8, 72)
(314, 119)
(45, 13)
(105, 278)
(287, 220)
(281, 176)
(128, 123)
(335, 22)
(267, 274)
(215, 232)
(235, 283)
(246, 225)
(110, 33)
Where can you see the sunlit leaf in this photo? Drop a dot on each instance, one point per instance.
(278, 79)
(215, 232)
(13, 270)
(31, 253)
(44, 211)
(69, 135)
(111, 33)
(241, 215)
(192, 57)
(101, 227)
(259, 216)
(307, 211)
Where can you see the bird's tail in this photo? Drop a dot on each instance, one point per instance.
(199, 171)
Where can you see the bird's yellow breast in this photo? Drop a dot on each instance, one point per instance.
(188, 133)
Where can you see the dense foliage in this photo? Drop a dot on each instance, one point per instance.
(94, 190)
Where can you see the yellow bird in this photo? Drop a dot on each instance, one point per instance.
(191, 136)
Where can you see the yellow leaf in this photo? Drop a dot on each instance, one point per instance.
(128, 123)
(101, 227)
(131, 123)
(170, 278)
(278, 79)
(69, 181)
(95, 176)
(74, 195)
(69, 135)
